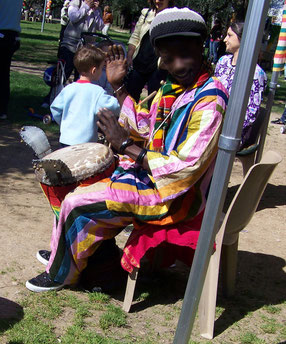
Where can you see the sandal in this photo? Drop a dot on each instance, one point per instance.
(277, 121)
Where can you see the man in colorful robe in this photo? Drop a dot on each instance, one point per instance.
(163, 184)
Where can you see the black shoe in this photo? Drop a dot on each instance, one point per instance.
(277, 121)
(42, 283)
(43, 256)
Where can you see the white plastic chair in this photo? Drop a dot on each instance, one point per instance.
(239, 214)
(248, 156)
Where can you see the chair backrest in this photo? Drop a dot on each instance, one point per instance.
(247, 197)
(252, 136)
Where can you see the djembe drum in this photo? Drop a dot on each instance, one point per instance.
(61, 171)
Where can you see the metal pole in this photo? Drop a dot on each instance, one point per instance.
(44, 16)
(228, 145)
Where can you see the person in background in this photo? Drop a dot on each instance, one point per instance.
(141, 58)
(107, 19)
(64, 18)
(282, 119)
(84, 16)
(215, 39)
(76, 106)
(224, 71)
(10, 17)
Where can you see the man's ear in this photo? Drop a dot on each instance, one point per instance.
(93, 70)
(161, 64)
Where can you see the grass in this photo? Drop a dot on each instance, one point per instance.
(250, 338)
(279, 99)
(36, 46)
(113, 317)
(43, 314)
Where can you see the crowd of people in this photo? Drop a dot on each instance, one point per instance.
(166, 152)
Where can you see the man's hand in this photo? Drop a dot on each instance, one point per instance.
(113, 132)
(116, 66)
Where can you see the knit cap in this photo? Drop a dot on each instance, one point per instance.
(177, 22)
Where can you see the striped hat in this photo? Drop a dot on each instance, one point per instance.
(177, 22)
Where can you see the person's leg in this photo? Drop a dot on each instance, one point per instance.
(135, 84)
(215, 51)
(211, 51)
(84, 222)
(67, 56)
(283, 117)
(8, 45)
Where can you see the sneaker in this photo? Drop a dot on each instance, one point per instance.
(278, 121)
(43, 283)
(43, 256)
(3, 116)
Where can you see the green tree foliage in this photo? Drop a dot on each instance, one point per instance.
(131, 7)
(221, 9)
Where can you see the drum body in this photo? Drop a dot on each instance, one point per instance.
(61, 171)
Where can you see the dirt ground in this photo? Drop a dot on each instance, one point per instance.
(27, 219)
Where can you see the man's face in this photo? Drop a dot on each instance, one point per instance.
(182, 57)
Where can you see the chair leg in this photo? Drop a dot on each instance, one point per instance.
(130, 287)
(247, 161)
(207, 303)
(229, 266)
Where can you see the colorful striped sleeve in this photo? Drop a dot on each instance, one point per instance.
(191, 145)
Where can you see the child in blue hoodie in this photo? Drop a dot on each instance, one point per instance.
(76, 106)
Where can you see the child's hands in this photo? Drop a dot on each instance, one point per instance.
(116, 66)
(112, 130)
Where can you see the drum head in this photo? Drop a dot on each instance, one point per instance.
(74, 163)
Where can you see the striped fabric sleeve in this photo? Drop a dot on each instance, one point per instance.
(196, 145)
(138, 117)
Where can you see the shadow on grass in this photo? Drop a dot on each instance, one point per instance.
(39, 36)
(10, 313)
(261, 281)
